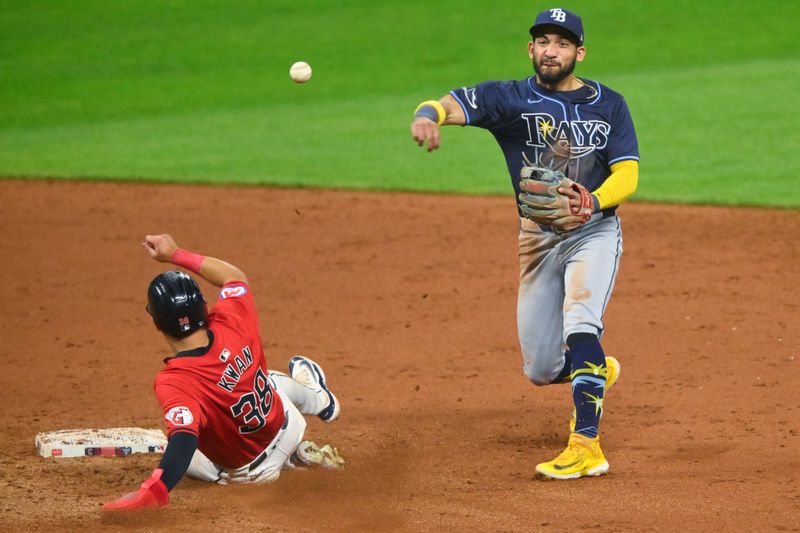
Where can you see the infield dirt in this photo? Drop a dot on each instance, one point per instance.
(408, 301)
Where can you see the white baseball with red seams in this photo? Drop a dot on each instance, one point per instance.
(300, 72)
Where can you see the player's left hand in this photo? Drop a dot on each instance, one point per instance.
(574, 194)
(548, 197)
(160, 247)
(152, 493)
(581, 206)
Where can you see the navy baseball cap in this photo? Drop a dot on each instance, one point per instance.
(563, 19)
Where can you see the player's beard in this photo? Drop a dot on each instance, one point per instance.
(551, 77)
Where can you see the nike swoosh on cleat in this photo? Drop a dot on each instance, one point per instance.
(564, 467)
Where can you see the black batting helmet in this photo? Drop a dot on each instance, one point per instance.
(176, 304)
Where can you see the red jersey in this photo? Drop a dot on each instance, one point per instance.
(221, 392)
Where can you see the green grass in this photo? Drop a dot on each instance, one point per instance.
(199, 91)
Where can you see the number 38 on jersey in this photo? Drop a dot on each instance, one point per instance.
(254, 407)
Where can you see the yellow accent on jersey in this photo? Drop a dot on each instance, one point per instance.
(620, 185)
(441, 114)
(545, 127)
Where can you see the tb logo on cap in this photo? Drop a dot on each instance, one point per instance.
(558, 14)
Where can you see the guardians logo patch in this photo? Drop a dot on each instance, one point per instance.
(179, 416)
(234, 291)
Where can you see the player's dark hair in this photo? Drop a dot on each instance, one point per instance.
(176, 304)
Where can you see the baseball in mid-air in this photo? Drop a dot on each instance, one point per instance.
(300, 72)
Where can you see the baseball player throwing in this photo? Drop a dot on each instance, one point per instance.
(572, 154)
(229, 419)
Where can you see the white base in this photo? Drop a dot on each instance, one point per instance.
(93, 442)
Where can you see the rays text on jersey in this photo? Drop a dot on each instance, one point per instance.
(582, 136)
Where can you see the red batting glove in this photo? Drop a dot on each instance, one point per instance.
(152, 493)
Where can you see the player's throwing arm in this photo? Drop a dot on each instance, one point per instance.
(431, 114)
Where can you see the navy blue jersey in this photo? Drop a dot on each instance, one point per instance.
(581, 132)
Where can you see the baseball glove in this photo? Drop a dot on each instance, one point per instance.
(542, 202)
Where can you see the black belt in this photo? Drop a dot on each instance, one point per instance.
(263, 455)
(605, 212)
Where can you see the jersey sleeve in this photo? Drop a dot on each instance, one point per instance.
(182, 412)
(482, 104)
(622, 142)
(236, 303)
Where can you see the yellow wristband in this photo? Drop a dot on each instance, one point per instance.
(441, 114)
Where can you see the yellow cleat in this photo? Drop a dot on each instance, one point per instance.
(613, 369)
(583, 457)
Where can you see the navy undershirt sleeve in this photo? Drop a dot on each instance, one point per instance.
(177, 456)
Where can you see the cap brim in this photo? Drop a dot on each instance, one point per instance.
(559, 29)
